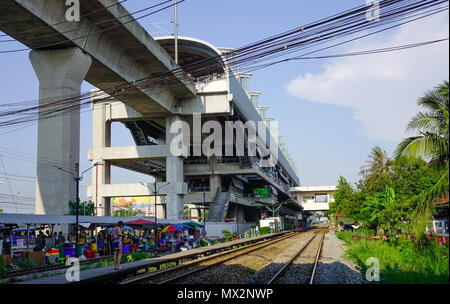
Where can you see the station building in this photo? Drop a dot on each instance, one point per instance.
(315, 200)
(231, 189)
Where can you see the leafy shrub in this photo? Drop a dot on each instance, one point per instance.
(227, 234)
(264, 230)
(26, 264)
(401, 261)
(2, 266)
(203, 243)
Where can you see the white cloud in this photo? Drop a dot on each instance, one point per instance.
(382, 89)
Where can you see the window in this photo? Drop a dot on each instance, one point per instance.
(321, 198)
(307, 198)
(198, 183)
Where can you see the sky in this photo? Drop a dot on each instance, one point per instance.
(330, 112)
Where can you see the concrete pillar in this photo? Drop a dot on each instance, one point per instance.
(240, 217)
(174, 175)
(101, 138)
(60, 73)
(215, 182)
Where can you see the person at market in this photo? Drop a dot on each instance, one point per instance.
(40, 241)
(55, 237)
(61, 238)
(116, 238)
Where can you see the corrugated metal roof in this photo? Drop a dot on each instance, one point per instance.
(17, 218)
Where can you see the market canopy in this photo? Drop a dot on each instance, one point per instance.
(49, 219)
(139, 222)
(193, 224)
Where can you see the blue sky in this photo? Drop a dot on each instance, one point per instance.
(329, 112)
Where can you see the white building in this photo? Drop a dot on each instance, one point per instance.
(315, 198)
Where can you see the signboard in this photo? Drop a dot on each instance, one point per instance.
(260, 192)
(144, 205)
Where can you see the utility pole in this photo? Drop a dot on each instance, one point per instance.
(156, 218)
(176, 31)
(155, 192)
(204, 207)
(77, 180)
(77, 177)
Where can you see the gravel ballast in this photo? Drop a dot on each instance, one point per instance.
(333, 267)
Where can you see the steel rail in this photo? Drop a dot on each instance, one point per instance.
(286, 266)
(245, 250)
(319, 250)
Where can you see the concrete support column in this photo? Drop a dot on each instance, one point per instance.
(214, 183)
(174, 175)
(240, 217)
(60, 73)
(101, 138)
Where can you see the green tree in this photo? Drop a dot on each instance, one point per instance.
(125, 212)
(431, 142)
(376, 205)
(84, 208)
(347, 200)
(375, 171)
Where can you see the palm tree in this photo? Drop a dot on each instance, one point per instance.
(378, 163)
(431, 142)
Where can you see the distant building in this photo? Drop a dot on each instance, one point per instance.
(315, 198)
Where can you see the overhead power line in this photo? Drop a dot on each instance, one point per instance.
(315, 36)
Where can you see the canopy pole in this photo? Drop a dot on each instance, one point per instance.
(28, 237)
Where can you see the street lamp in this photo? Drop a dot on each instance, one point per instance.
(155, 191)
(77, 177)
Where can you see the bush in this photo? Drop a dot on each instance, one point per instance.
(133, 257)
(2, 267)
(401, 261)
(227, 234)
(264, 230)
(203, 243)
(26, 264)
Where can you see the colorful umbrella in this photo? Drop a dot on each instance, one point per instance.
(171, 228)
(125, 227)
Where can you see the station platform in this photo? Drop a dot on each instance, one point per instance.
(110, 275)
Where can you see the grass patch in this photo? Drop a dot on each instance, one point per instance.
(401, 261)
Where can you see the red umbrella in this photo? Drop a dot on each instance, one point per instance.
(139, 222)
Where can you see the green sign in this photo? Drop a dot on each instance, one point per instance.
(260, 192)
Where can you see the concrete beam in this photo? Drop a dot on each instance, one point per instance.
(123, 54)
(129, 153)
(119, 190)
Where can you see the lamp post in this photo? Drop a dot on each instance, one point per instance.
(77, 178)
(155, 192)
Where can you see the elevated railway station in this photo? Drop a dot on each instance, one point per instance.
(223, 184)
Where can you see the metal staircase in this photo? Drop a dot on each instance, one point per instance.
(219, 207)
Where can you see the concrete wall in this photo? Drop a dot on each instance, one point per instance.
(215, 228)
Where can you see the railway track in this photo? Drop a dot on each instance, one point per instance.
(178, 273)
(301, 268)
(205, 269)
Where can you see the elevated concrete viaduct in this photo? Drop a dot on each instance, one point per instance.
(66, 53)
